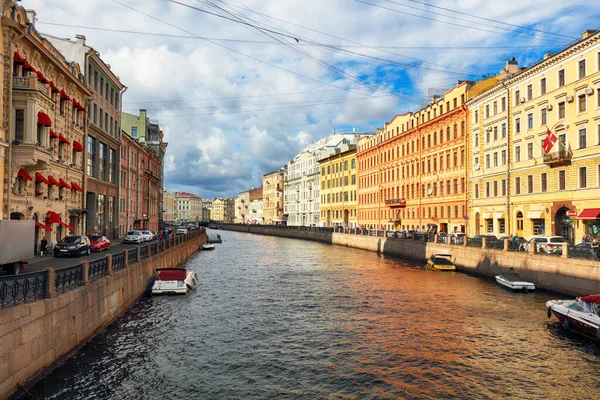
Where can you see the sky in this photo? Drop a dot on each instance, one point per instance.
(240, 87)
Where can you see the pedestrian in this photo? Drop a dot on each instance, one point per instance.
(43, 245)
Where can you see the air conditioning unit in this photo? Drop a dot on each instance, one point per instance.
(476, 167)
(429, 191)
(549, 108)
(522, 100)
(589, 91)
(569, 99)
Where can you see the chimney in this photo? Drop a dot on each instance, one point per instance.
(586, 34)
(31, 16)
(512, 66)
(80, 39)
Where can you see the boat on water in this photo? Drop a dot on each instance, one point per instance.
(515, 282)
(174, 281)
(581, 315)
(441, 262)
(208, 246)
(216, 238)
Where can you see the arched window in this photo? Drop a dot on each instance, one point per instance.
(346, 165)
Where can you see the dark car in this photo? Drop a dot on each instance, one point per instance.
(488, 237)
(584, 250)
(73, 245)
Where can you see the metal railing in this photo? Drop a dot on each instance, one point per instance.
(495, 244)
(474, 242)
(144, 252)
(132, 255)
(98, 269)
(68, 278)
(17, 289)
(587, 253)
(118, 261)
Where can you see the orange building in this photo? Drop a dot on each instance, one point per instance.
(412, 173)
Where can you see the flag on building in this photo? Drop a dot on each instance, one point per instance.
(549, 142)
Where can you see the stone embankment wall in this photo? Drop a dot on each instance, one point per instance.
(562, 274)
(35, 336)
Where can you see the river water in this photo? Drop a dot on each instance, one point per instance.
(280, 318)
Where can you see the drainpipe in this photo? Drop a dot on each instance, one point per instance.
(507, 221)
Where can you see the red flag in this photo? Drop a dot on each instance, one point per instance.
(549, 141)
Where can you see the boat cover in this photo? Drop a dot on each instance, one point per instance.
(593, 298)
(175, 274)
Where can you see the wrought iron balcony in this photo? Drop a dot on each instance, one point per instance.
(395, 203)
(559, 157)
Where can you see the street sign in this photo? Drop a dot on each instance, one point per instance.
(572, 213)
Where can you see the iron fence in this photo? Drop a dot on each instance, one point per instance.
(132, 255)
(515, 246)
(17, 289)
(98, 269)
(144, 252)
(118, 261)
(474, 242)
(587, 253)
(153, 249)
(68, 278)
(495, 244)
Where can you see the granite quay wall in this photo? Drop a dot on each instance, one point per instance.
(569, 272)
(77, 303)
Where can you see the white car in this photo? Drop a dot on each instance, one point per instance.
(133, 237)
(182, 230)
(147, 236)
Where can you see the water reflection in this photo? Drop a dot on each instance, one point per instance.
(281, 318)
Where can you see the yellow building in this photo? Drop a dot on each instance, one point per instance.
(554, 193)
(339, 204)
(273, 198)
(222, 210)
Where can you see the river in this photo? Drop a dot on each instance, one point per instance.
(277, 318)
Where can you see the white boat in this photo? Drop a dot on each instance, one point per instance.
(581, 314)
(208, 246)
(174, 281)
(515, 282)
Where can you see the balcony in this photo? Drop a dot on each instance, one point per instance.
(395, 203)
(29, 154)
(560, 157)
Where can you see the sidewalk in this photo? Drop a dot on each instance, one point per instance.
(38, 258)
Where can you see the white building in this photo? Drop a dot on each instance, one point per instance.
(188, 207)
(242, 207)
(256, 211)
(301, 202)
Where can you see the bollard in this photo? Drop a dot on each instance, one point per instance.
(51, 283)
(484, 243)
(435, 238)
(506, 245)
(109, 269)
(465, 239)
(86, 272)
(565, 250)
(126, 258)
(533, 247)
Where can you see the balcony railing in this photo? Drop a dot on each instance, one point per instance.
(559, 157)
(396, 203)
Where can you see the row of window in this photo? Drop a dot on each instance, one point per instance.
(101, 119)
(338, 197)
(103, 86)
(338, 167)
(337, 182)
(101, 161)
(433, 213)
(409, 192)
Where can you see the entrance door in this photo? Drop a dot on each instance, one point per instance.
(564, 226)
(520, 224)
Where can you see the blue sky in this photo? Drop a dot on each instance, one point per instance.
(253, 91)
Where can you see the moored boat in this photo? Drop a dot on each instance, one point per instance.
(174, 281)
(208, 246)
(515, 282)
(441, 262)
(581, 315)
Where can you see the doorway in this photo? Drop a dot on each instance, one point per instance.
(564, 226)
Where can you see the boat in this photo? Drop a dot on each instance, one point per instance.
(174, 281)
(208, 246)
(515, 282)
(216, 238)
(582, 314)
(441, 262)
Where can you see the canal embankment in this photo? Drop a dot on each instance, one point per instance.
(55, 312)
(560, 273)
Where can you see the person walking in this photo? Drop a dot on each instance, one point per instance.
(43, 245)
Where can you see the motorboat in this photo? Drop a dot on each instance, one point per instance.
(208, 246)
(441, 262)
(174, 281)
(581, 315)
(515, 282)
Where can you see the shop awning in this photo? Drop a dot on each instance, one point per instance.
(66, 225)
(52, 181)
(590, 213)
(498, 215)
(53, 134)
(486, 215)
(63, 95)
(53, 218)
(53, 87)
(24, 175)
(534, 214)
(77, 146)
(62, 183)
(44, 119)
(18, 59)
(63, 139)
(75, 186)
(41, 77)
(40, 178)
(44, 227)
(26, 65)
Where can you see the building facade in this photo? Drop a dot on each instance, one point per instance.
(103, 140)
(339, 204)
(169, 206)
(223, 210)
(272, 184)
(242, 207)
(44, 102)
(188, 207)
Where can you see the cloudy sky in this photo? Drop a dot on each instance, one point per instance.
(241, 86)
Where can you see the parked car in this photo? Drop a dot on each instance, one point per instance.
(73, 245)
(584, 250)
(182, 230)
(456, 237)
(147, 236)
(133, 237)
(488, 237)
(99, 242)
(546, 244)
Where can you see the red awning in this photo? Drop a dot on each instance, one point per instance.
(44, 119)
(63, 95)
(66, 225)
(53, 218)
(18, 58)
(52, 181)
(24, 175)
(63, 139)
(590, 213)
(62, 183)
(41, 77)
(77, 146)
(44, 227)
(75, 186)
(53, 134)
(26, 65)
(53, 87)
(40, 178)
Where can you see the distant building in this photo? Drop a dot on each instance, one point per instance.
(273, 198)
(242, 207)
(169, 206)
(188, 207)
(223, 210)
